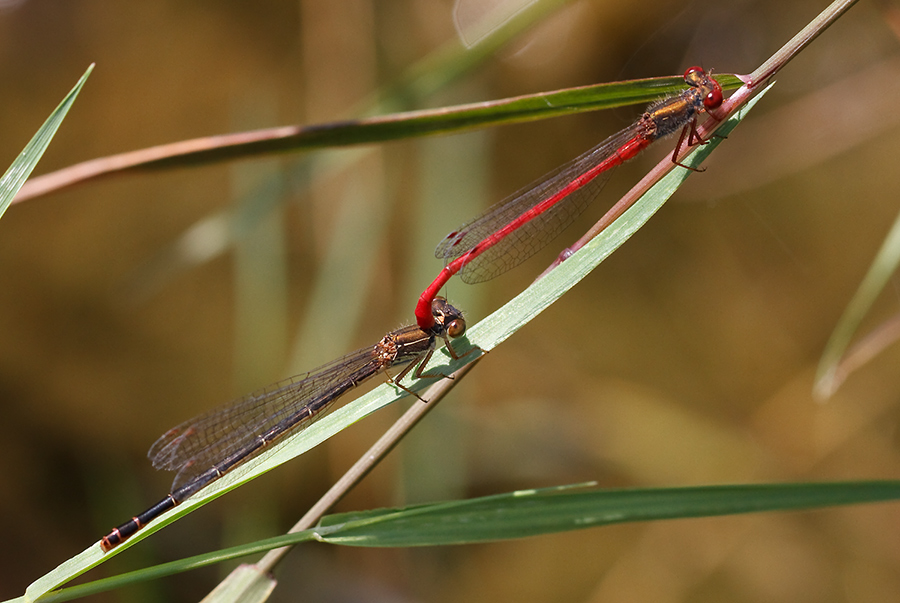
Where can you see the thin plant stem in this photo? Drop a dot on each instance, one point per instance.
(370, 459)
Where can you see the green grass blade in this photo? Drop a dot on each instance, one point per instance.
(445, 120)
(547, 511)
(22, 167)
(396, 126)
(525, 514)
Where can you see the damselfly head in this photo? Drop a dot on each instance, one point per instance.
(696, 77)
(448, 318)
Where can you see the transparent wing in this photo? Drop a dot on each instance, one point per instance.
(535, 214)
(200, 443)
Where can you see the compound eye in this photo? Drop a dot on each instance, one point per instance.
(714, 99)
(693, 75)
(456, 327)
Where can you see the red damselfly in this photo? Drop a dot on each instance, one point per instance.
(519, 226)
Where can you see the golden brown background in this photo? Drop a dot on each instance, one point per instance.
(687, 358)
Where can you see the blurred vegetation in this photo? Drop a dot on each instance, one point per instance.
(687, 358)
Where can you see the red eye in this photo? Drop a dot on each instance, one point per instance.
(714, 99)
(693, 70)
(694, 76)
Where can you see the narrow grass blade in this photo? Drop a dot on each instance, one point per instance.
(22, 167)
(832, 372)
(524, 514)
(397, 126)
(536, 512)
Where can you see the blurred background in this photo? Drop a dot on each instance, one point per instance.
(131, 304)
